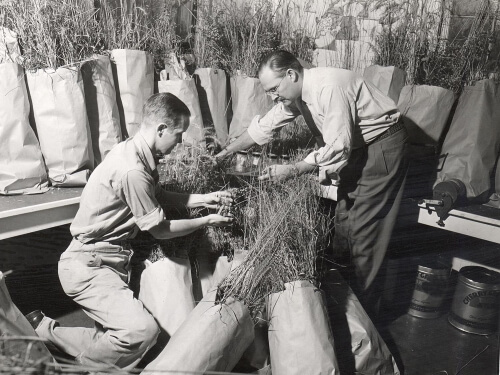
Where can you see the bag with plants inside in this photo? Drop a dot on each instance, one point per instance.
(22, 169)
(134, 80)
(472, 143)
(300, 339)
(425, 111)
(388, 79)
(213, 338)
(248, 99)
(18, 337)
(55, 38)
(102, 111)
(177, 81)
(212, 92)
(62, 125)
(360, 348)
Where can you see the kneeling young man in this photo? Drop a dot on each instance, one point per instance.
(120, 199)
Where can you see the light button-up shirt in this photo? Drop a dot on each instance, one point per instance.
(121, 196)
(348, 111)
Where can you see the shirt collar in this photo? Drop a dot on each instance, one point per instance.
(145, 152)
(307, 86)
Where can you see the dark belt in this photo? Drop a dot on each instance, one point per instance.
(392, 130)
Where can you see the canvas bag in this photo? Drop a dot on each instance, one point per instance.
(134, 80)
(14, 323)
(388, 79)
(425, 110)
(472, 143)
(211, 85)
(248, 100)
(166, 290)
(213, 338)
(300, 339)
(359, 347)
(22, 170)
(185, 90)
(58, 103)
(102, 110)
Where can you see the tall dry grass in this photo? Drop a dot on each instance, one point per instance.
(415, 38)
(234, 35)
(52, 33)
(285, 234)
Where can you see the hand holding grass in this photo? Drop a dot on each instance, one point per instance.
(219, 198)
(278, 172)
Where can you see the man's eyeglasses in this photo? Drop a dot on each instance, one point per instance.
(274, 90)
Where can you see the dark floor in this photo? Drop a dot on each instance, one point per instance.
(421, 347)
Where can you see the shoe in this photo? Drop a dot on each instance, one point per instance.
(35, 317)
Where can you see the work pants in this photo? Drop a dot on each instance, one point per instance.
(368, 199)
(95, 276)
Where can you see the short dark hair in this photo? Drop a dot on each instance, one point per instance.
(160, 107)
(280, 61)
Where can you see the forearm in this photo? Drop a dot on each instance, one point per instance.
(180, 200)
(177, 228)
(302, 167)
(243, 142)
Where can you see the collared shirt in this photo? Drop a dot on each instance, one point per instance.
(121, 196)
(348, 111)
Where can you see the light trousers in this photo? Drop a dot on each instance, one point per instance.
(95, 276)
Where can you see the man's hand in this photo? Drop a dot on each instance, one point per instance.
(216, 220)
(222, 154)
(218, 199)
(279, 172)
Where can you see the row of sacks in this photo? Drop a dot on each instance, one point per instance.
(465, 131)
(303, 330)
(73, 116)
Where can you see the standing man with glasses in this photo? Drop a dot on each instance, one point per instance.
(361, 145)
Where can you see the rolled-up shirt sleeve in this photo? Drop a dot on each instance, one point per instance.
(139, 193)
(337, 129)
(261, 128)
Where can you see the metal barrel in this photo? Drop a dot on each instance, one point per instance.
(431, 287)
(476, 301)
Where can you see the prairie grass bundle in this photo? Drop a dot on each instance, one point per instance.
(234, 35)
(414, 39)
(52, 33)
(146, 25)
(285, 232)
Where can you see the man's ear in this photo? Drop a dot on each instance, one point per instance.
(294, 75)
(167, 126)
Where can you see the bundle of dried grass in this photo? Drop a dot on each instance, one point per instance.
(52, 33)
(234, 35)
(285, 232)
(414, 38)
(146, 25)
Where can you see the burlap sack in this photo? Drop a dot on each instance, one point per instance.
(359, 347)
(425, 110)
(185, 90)
(472, 143)
(213, 338)
(102, 110)
(211, 85)
(62, 125)
(388, 79)
(166, 290)
(22, 170)
(13, 323)
(248, 100)
(300, 339)
(134, 80)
